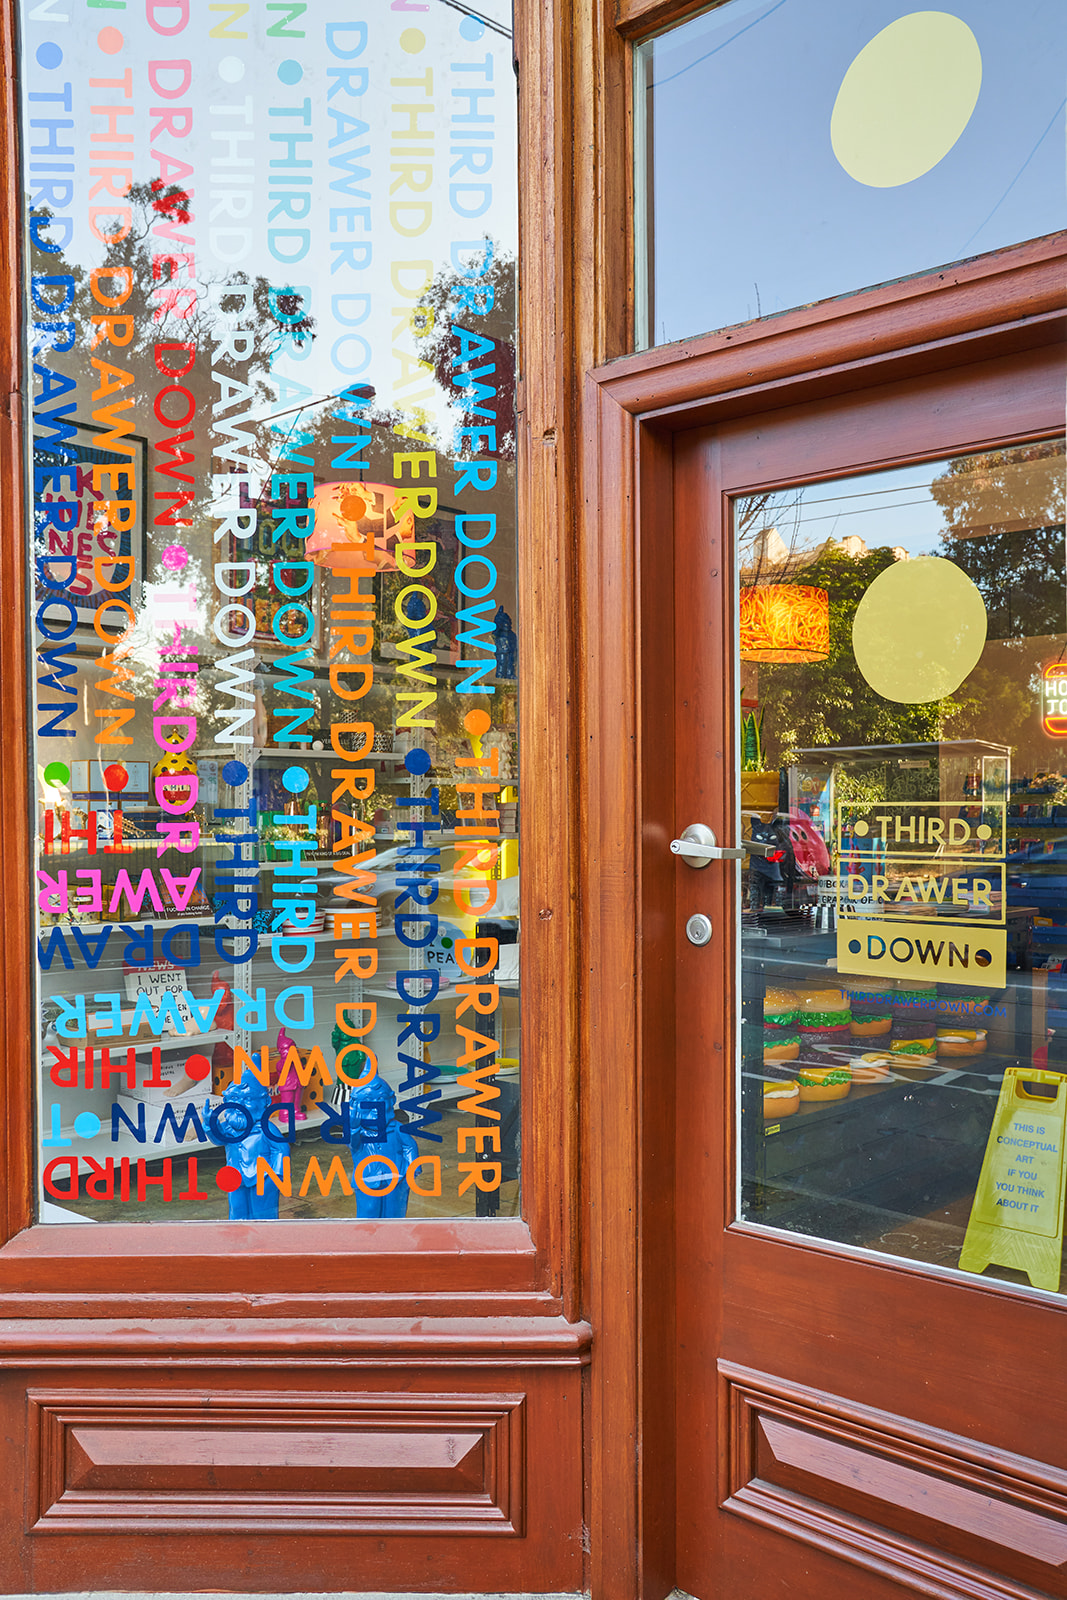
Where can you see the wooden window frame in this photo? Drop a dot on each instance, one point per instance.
(505, 1267)
(422, 1308)
(637, 19)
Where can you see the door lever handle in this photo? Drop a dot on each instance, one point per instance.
(698, 846)
(753, 847)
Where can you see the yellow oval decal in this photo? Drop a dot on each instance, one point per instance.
(919, 630)
(906, 99)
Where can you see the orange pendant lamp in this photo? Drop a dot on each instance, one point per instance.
(785, 622)
(338, 541)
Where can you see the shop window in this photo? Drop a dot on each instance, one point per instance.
(270, 328)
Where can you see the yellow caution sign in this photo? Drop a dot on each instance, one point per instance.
(1017, 1216)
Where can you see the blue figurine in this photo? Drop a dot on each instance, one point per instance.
(506, 644)
(252, 1097)
(376, 1132)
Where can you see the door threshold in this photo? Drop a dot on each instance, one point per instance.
(317, 1594)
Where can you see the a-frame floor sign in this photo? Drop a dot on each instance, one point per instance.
(1017, 1216)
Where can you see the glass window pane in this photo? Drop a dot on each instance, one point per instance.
(271, 322)
(903, 788)
(793, 150)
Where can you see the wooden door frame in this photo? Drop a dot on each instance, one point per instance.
(994, 306)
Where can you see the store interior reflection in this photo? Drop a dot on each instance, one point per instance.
(904, 947)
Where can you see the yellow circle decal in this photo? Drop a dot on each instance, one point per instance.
(906, 99)
(919, 630)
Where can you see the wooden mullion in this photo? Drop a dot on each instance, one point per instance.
(637, 19)
(17, 949)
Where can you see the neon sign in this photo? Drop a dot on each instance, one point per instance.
(1054, 700)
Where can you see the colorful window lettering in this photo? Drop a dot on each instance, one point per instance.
(903, 1007)
(270, 268)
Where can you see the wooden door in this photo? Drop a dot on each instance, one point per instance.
(853, 1410)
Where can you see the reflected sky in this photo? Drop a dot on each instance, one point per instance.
(752, 213)
(895, 507)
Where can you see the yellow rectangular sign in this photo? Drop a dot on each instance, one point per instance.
(898, 827)
(911, 883)
(880, 947)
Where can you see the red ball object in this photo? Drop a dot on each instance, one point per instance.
(228, 1179)
(116, 778)
(198, 1068)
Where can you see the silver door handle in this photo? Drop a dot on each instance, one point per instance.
(698, 846)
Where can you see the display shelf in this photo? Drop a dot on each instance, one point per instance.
(260, 751)
(397, 841)
(382, 653)
(148, 922)
(378, 991)
(392, 652)
(48, 1211)
(449, 659)
(193, 1042)
(130, 846)
(266, 864)
(282, 752)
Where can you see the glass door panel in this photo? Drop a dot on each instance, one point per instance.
(903, 902)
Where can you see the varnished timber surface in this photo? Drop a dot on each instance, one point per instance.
(638, 18)
(259, 1461)
(884, 376)
(957, 1488)
(432, 1310)
(878, 1492)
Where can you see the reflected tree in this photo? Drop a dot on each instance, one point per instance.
(830, 702)
(1004, 526)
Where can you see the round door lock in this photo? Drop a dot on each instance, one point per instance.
(698, 929)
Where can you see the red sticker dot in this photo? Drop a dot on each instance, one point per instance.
(115, 777)
(198, 1068)
(228, 1178)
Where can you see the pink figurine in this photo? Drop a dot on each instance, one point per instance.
(289, 1089)
(224, 1015)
